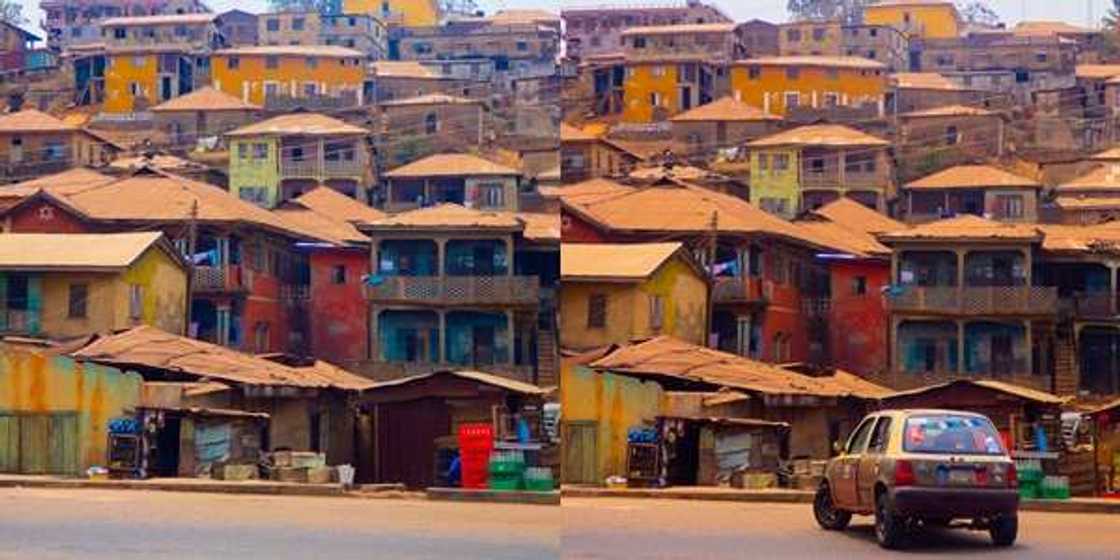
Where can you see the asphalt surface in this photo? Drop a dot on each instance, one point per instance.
(130, 524)
(602, 528)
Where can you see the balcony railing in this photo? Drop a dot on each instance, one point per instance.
(1090, 306)
(996, 300)
(313, 168)
(737, 290)
(456, 290)
(214, 279)
(831, 180)
(16, 321)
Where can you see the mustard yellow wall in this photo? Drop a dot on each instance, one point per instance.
(164, 292)
(683, 291)
(616, 404)
(123, 70)
(416, 13)
(248, 80)
(932, 22)
(854, 85)
(776, 184)
(640, 82)
(33, 383)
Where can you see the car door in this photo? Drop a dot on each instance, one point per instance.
(871, 462)
(847, 466)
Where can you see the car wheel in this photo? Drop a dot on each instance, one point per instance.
(828, 517)
(889, 528)
(1004, 530)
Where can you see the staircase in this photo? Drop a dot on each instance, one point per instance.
(1066, 378)
(547, 359)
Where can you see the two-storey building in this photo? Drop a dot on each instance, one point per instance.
(780, 85)
(446, 289)
(417, 127)
(204, 112)
(809, 166)
(69, 24)
(151, 59)
(248, 286)
(926, 19)
(33, 143)
(285, 156)
(397, 13)
(281, 78)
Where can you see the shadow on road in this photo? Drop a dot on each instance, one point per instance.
(936, 541)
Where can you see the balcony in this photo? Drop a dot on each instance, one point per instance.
(996, 300)
(737, 290)
(1090, 306)
(456, 290)
(18, 321)
(315, 169)
(220, 279)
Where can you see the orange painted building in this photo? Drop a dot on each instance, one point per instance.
(255, 74)
(779, 84)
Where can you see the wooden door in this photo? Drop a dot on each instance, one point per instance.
(405, 441)
(9, 444)
(580, 460)
(63, 444)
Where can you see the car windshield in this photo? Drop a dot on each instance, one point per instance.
(951, 433)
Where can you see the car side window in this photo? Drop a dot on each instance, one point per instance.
(881, 436)
(858, 441)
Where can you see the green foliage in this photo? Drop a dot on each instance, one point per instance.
(849, 11)
(322, 6)
(975, 11)
(12, 12)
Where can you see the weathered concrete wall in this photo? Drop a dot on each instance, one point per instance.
(35, 383)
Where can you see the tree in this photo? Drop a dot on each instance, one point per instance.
(1112, 19)
(974, 11)
(322, 6)
(848, 11)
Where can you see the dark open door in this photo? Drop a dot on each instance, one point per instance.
(406, 434)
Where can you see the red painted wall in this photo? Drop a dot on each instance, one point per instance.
(783, 315)
(339, 327)
(574, 229)
(44, 217)
(858, 323)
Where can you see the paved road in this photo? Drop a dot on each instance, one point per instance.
(122, 524)
(603, 529)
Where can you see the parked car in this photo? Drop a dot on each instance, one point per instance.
(922, 468)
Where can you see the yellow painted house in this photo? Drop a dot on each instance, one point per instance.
(929, 19)
(615, 293)
(69, 285)
(297, 71)
(409, 13)
(780, 83)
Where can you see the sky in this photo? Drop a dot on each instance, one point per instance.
(1073, 11)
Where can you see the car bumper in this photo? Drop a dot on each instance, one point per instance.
(955, 502)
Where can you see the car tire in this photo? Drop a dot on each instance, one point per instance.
(828, 517)
(1004, 530)
(890, 530)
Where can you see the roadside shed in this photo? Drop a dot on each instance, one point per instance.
(310, 408)
(403, 424)
(1015, 410)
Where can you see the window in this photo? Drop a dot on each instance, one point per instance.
(858, 441)
(781, 162)
(180, 31)
(233, 63)
(951, 433)
(639, 42)
(819, 34)
(763, 163)
(79, 295)
(260, 150)
(522, 46)
(271, 89)
(312, 62)
(255, 195)
(792, 99)
(1009, 205)
(1022, 76)
(655, 99)
(431, 123)
(831, 99)
(134, 89)
(310, 89)
(139, 62)
(859, 286)
(120, 33)
(297, 24)
(793, 35)
(874, 32)
(1040, 57)
(793, 73)
(754, 72)
(658, 71)
(881, 436)
(832, 74)
(54, 151)
(135, 301)
(779, 206)
(491, 195)
(952, 135)
(272, 62)
(338, 274)
(242, 150)
(656, 312)
(597, 311)
(272, 24)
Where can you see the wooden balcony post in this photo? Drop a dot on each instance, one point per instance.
(961, 258)
(442, 336)
(510, 332)
(441, 256)
(1030, 345)
(509, 255)
(960, 347)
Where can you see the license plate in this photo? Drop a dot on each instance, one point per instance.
(961, 477)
